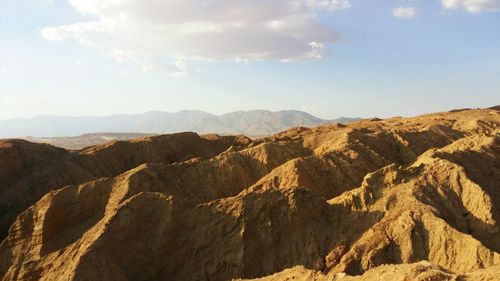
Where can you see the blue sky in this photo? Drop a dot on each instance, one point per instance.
(352, 58)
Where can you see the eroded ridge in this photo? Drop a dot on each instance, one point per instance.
(415, 198)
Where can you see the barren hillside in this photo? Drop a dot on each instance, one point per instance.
(395, 199)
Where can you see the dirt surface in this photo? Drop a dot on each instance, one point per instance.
(395, 199)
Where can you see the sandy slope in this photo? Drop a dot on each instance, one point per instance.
(331, 202)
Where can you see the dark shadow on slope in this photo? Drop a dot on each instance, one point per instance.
(72, 211)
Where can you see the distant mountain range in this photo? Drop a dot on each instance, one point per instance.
(250, 123)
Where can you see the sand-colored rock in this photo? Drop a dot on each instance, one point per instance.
(396, 199)
(29, 170)
(421, 271)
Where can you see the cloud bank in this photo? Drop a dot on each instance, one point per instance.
(473, 6)
(177, 30)
(404, 12)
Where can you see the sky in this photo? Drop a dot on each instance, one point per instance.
(331, 58)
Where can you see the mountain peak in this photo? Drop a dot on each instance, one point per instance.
(251, 122)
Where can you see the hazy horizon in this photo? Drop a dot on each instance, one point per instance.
(243, 110)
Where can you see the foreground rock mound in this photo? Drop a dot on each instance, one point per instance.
(397, 199)
(422, 271)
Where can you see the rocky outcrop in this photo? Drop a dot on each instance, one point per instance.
(29, 170)
(405, 199)
(421, 271)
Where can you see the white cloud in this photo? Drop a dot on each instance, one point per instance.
(404, 12)
(145, 32)
(472, 6)
(330, 4)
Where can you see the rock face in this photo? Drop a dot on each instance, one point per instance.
(421, 271)
(397, 199)
(29, 170)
